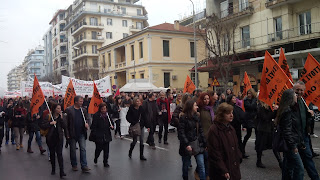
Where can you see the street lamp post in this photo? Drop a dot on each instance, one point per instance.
(195, 47)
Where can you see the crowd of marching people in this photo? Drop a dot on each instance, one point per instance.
(209, 128)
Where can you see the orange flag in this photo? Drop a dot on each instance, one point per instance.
(246, 84)
(37, 97)
(311, 77)
(273, 81)
(284, 65)
(189, 86)
(69, 96)
(95, 100)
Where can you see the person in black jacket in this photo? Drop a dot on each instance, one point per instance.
(2, 121)
(238, 119)
(54, 137)
(189, 131)
(115, 116)
(136, 115)
(101, 133)
(8, 119)
(33, 128)
(251, 108)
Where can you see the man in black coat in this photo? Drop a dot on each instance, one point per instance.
(2, 120)
(77, 125)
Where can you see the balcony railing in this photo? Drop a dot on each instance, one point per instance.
(295, 32)
(98, 39)
(121, 64)
(85, 68)
(237, 10)
(135, 28)
(77, 26)
(276, 3)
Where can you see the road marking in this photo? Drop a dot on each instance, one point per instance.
(128, 139)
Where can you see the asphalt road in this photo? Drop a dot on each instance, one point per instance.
(164, 163)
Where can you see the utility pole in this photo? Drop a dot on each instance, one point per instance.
(195, 47)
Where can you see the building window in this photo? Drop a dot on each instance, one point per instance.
(94, 49)
(166, 77)
(93, 21)
(94, 35)
(103, 61)
(278, 28)
(166, 52)
(139, 12)
(132, 52)
(142, 76)
(245, 32)
(109, 59)
(128, 1)
(95, 63)
(193, 77)
(125, 35)
(124, 23)
(123, 10)
(109, 35)
(139, 25)
(305, 23)
(133, 76)
(109, 22)
(192, 49)
(141, 49)
(225, 43)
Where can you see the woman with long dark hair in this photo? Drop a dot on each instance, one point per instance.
(18, 124)
(251, 107)
(134, 116)
(290, 131)
(54, 137)
(101, 133)
(223, 150)
(190, 131)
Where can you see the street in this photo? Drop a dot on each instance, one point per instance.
(164, 163)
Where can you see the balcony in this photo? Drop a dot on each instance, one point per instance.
(296, 34)
(82, 69)
(80, 41)
(277, 3)
(84, 25)
(133, 28)
(85, 54)
(236, 11)
(120, 65)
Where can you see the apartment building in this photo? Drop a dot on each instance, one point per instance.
(47, 41)
(163, 54)
(268, 25)
(59, 50)
(14, 78)
(92, 24)
(199, 19)
(34, 64)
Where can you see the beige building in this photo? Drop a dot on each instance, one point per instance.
(92, 24)
(14, 78)
(268, 25)
(164, 54)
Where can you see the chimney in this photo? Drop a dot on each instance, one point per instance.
(176, 25)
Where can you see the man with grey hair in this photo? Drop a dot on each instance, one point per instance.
(305, 116)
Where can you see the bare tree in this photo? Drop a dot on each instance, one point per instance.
(220, 43)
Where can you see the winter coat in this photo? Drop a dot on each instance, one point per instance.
(100, 128)
(206, 120)
(70, 122)
(251, 108)
(115, 110)
(133, 116)
(61, 127)
(151, 112)
(3, 117)
(33, 122)
(19, 122)
(9, 113)
(238, 119)
(187, 132)
(224, 153)
(167, 102)
(264, 119)
(176, 116)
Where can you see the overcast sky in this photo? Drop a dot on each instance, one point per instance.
(24, 22)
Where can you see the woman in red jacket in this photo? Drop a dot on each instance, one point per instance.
(223, 148)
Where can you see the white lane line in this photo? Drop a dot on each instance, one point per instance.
(128, 139)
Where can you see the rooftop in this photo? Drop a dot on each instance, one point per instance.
(170, 27)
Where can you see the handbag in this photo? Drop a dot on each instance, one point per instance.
(195, 145)
(135, 130)
(278, 143)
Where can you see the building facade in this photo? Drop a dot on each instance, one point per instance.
(47, 40)
(34, 63)
(163, 54)
(268, 25)
(14, 78)
(91, 24)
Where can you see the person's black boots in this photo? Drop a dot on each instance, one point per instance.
(259, 163)
(53, 164)
(142, 158)
(130, 150)
(62, 174)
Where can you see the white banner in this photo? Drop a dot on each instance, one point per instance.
(12, 94)
(47, 88)
(83, 88)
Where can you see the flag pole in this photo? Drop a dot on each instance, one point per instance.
(109, 119)
(50, 111)
(84, 119)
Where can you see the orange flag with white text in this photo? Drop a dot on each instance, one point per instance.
(273, 81)
(37, 97)
(95, 100)
(246, 84)
(188, 86)
(284, 65)
(311, 77)
(69, 96)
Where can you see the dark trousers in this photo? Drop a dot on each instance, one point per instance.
(246, 138)
(1, 135)
(7, 132)
(163, 122)
(239, 137)
(118, 130)
(56, 148)
(150, 140)
(105, 147)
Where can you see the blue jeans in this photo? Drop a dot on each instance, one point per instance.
(306, 156)
(7, 132)
(292, 166)
(201, 166)
(83, 157)
(186, 162)
(38, 138)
